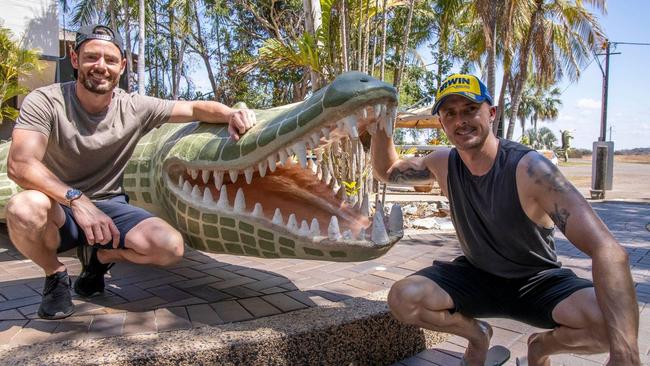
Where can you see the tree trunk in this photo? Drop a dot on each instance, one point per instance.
(313, 21)
(375, 31)
(383, 42)
(500, 105)
(360, 36)
(203, 51)
(141, 51)
(129, 46)
(366, 37)
(405, 41)
(344, 38)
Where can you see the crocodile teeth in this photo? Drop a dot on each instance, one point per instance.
(218, 179)
(365, 205)
(347, 234)
(196, 191)
(283, 156)
(326, 132)
(180, 181)
(187, 188)
(292, 224)
(304, 228)
(333, 232)
(392, 116)
(248, 173)
(207, 196)
(396, 221)
(350, 123)
(315, 139)
(301, 152)
(382, 116)
(362, 234)
(205, 174)
(240, 202)
(378, 110)
(379, 235)
(261, 168)
(277, 217)
(257, 210)
(194, 173)
(233, 173)
(364, 113)
(271, 160)
(314, 229)
(223, 198)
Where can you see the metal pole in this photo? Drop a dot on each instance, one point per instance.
(603, 114)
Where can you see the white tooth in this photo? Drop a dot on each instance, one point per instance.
(301, 152)
(257, 210)
(271, 160)
(392, 116)
(180, 181)
(336, 186)
(218, 179)
(315, 139)
(233, 173)
(187, 188)
(351, 126)
(347, 234)
(240, 202)
(223, 198)
(292, 224)
(205, 174)
(382, 116)
(304, 228)
(261, 168)
(396, 221)
(196, 191)
(277, 217)
(364, 113)
(365, 205)
(377, 110)
(379, 235)
(207, 196)
(194, 173)
(248, 173)
(326, 133)
(283, 156)
(314, 229)
(333, 232)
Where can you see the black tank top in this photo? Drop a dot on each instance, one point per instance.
(494, 232)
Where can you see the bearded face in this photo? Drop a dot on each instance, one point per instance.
(99, 65)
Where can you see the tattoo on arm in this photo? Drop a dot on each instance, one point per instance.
(547, 175)
(410, 176)
(560, 217)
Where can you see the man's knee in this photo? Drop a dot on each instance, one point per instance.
(163, 244)
(28, 210)
(406, 297)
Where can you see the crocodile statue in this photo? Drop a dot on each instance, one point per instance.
(267, 194)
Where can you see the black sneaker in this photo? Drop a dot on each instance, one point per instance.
(91, 279)
(57, 302)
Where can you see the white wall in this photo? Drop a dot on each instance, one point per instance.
(36, 22)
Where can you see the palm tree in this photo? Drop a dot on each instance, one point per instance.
(559, 39)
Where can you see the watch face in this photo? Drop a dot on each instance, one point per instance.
(72, 194)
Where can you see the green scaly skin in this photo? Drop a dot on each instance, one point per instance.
(153, 177)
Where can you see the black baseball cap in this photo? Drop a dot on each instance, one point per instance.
(98, 31)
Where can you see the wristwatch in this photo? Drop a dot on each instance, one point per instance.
(72, 194)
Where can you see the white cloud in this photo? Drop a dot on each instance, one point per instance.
(588, 103)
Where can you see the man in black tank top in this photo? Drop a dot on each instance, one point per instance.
(505, 202)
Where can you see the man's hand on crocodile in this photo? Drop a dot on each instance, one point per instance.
(97, 226)
(240, 121)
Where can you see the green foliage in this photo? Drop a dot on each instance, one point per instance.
(15, 63)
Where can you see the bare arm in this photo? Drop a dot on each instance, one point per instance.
(389, 168)
(238, 120)
(571, 213)
(25, 167)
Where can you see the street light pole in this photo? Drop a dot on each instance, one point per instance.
(603, 111)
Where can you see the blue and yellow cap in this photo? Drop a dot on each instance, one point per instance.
(465, 85)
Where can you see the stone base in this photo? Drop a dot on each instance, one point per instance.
(358, 331)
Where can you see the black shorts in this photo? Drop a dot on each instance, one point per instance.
(124, 216)
(479, 294)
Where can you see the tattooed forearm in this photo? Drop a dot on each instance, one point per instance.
(410, 176)
(560, 217)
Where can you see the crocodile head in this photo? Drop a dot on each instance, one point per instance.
(271, 194)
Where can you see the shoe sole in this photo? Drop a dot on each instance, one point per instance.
(56, 316)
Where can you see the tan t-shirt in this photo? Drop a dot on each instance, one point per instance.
(90, 151)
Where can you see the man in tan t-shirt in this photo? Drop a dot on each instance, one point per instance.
(69, 150)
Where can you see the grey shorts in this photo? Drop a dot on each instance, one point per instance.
(479, 294)
(124, 216)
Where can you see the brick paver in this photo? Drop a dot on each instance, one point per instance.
(209, 289)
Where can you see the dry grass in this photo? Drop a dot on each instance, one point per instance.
(638, 159)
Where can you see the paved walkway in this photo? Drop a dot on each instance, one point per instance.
(208, 289)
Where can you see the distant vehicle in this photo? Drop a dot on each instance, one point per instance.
(550, 155)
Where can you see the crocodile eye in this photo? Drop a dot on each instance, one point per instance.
(364, 80)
